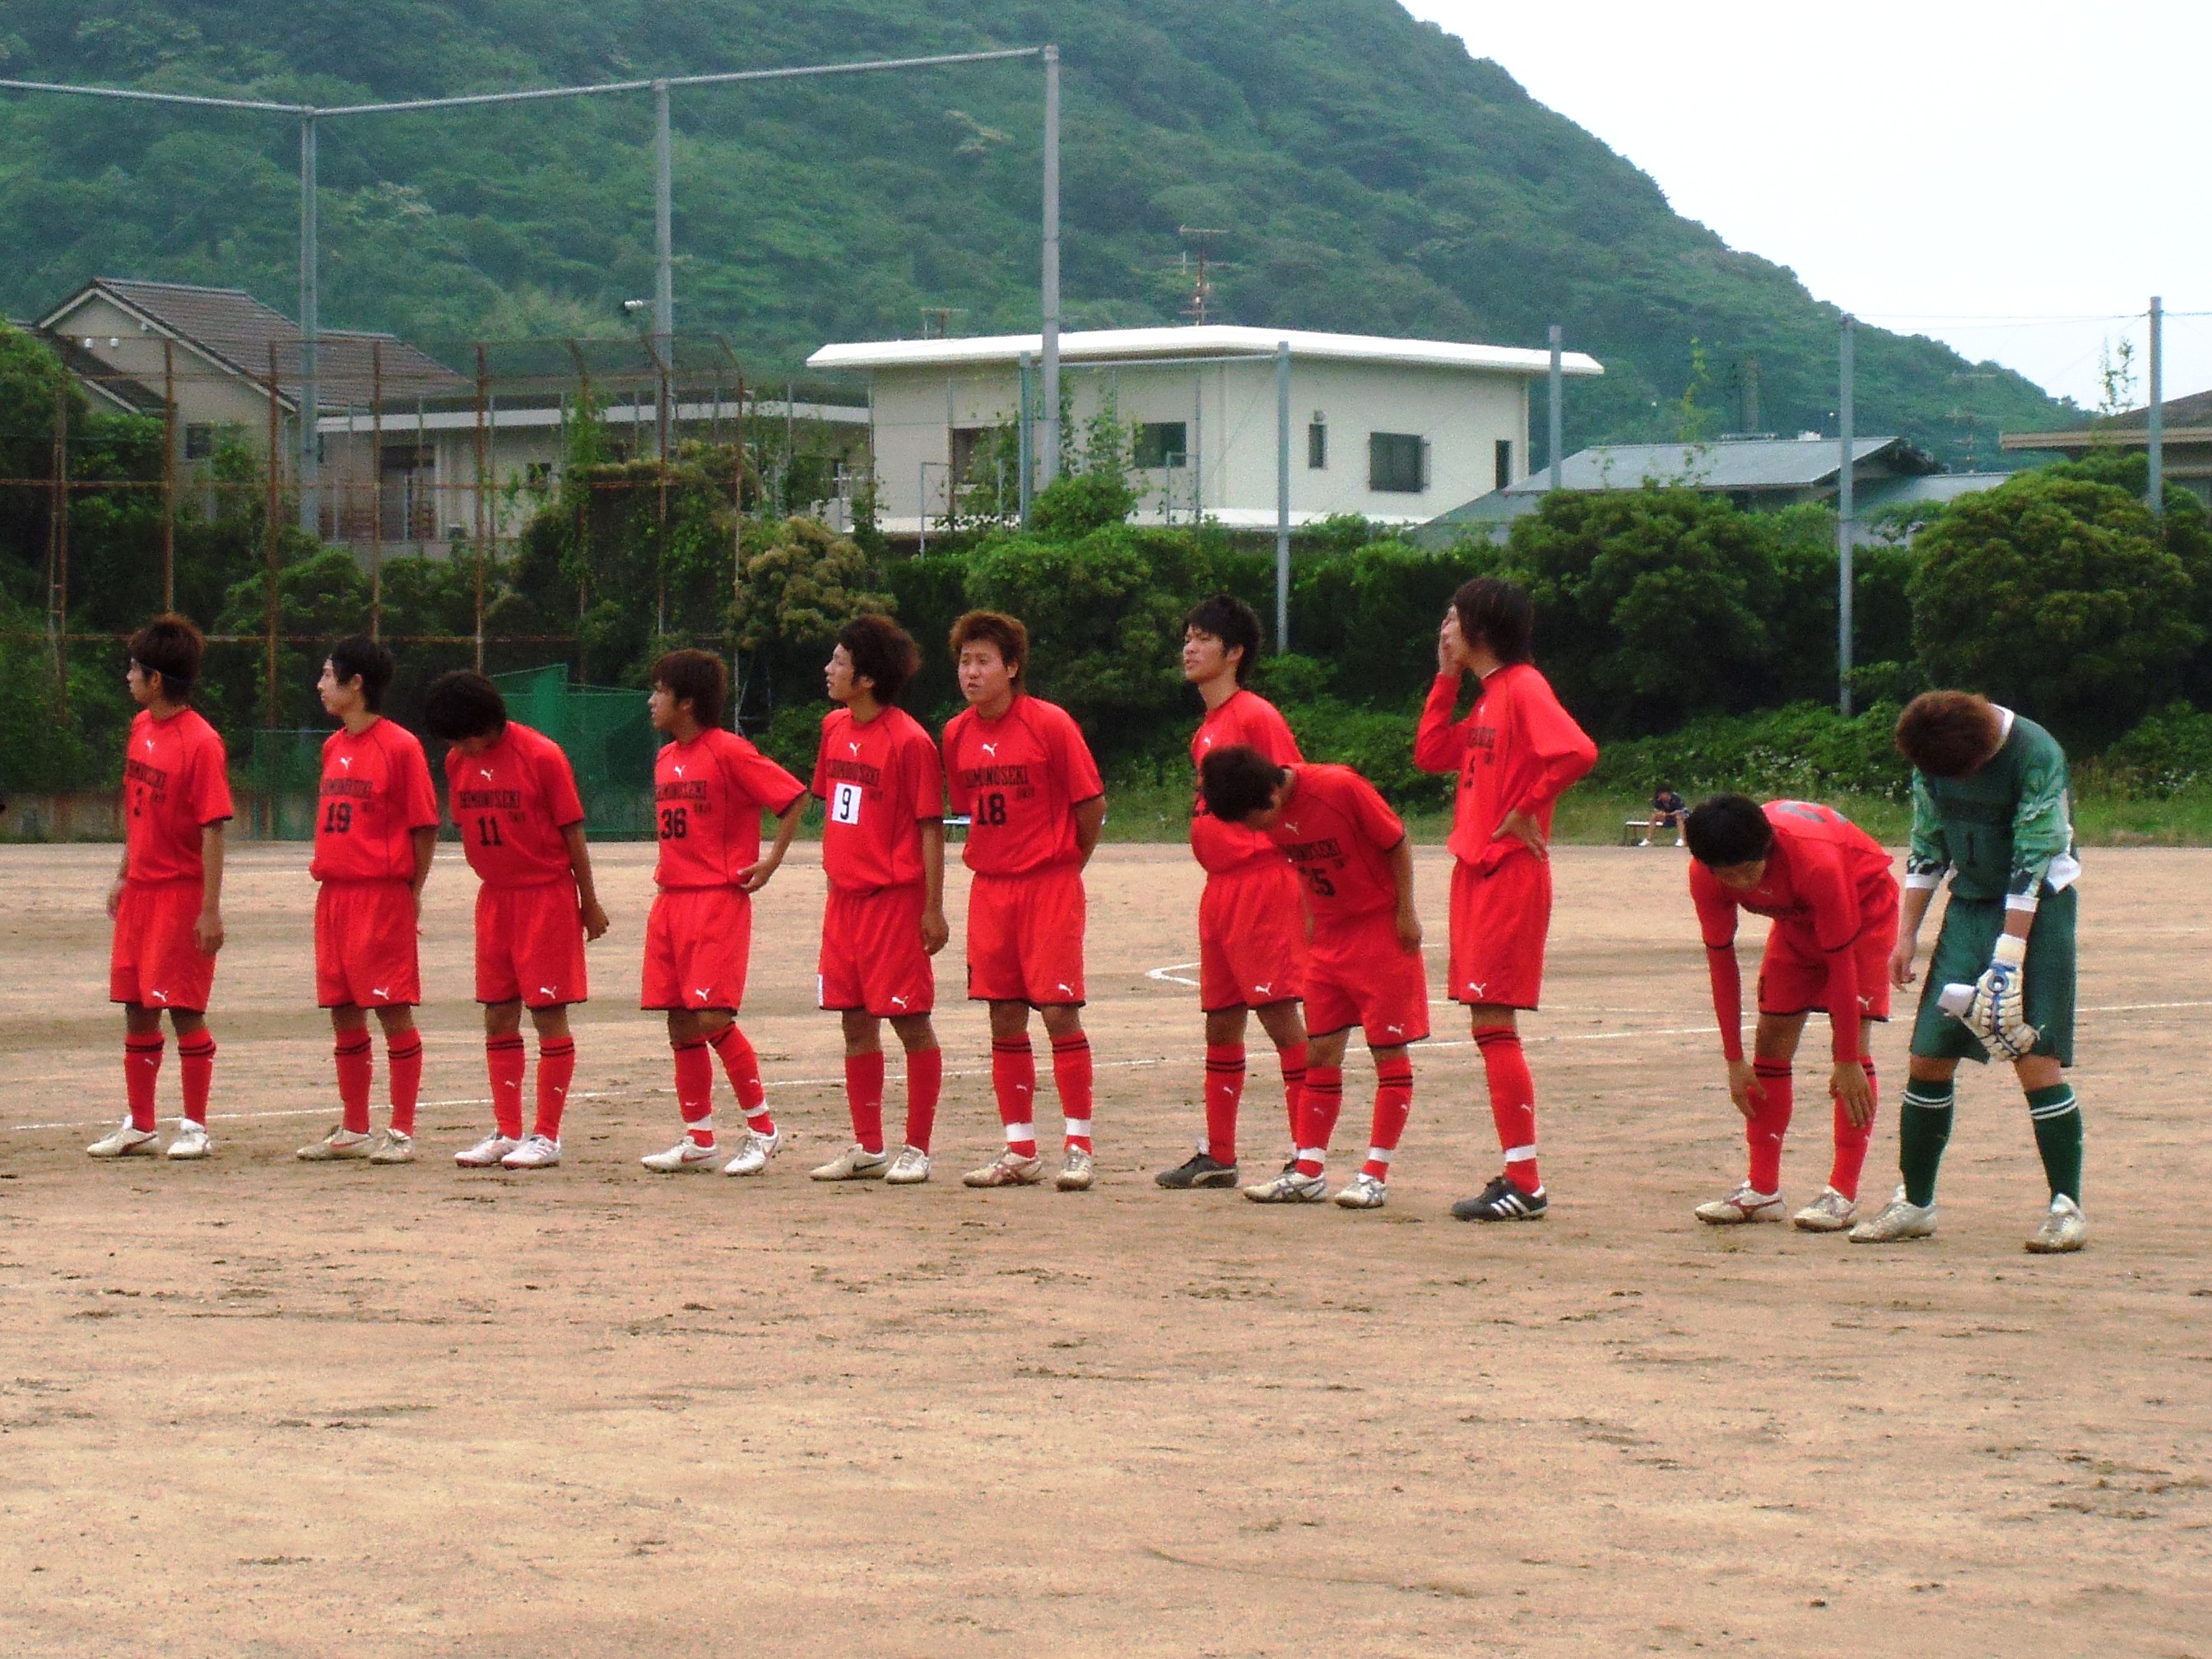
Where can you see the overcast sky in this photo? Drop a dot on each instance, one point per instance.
(2010, 178)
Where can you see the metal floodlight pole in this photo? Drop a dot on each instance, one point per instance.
(1049, 276)
(663, 251)
(1282, 496)
(1025, 434)
(1556, 422)
(310, 329)
(2155, 447)
(1846, 463)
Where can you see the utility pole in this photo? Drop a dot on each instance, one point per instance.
(1025, 431)
(1844, 480)
(1282, 496)
(1048, 447)
(2156, 450)
(1556, 421)
(664, 255)
(310, 332)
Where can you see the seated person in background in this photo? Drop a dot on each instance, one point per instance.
(1667, 808)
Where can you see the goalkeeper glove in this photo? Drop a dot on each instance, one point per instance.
(1996, 1013)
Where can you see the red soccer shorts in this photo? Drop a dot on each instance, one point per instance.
(365, 945)
(155, 962)
(1361, 975)
(1498, 920)
(698, 943)
(1251, 939)
(1793, 975)
(872, 956)
(530, 945)
(1025, 938)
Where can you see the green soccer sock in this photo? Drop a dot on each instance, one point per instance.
(2057, 1117)
(1923, 1129)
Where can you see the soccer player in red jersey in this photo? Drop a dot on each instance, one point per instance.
(1020, 771)
(1251, 923)
(1826, 885)
(1516, 752)
(375, 832)
(882, 848)
(1365, 968)
(167, 902)
(709, 789)
(512, 795)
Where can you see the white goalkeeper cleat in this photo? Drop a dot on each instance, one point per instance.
(752, 1158)
(1900, 1219)
(2065, 1228)
(486, 1152)
(538, 1152)
(1746, 1203)
(685, 1154)
(122, 1141)
(191, 1142)
(1831, 1212)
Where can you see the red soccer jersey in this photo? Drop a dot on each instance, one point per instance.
(880, 782)
(1824, 878)
(376, 792)
(1516, 751)
(511, 803)
(1339, 832)
(709, 794)
(1251, 721)
(1019, 778)
(176, 782)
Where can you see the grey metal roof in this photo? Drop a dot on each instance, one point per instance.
(1727, 463)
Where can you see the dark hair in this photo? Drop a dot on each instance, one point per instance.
(1499, 613)
(998, 628)
(1726, 829)
(1948, 734)
(170, 646)
(357, 657)
(1232, 621)
(697, 677)
(463, 705)
(1238, 781)
(882, 653)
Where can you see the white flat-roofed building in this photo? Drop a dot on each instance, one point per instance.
(1386, 428)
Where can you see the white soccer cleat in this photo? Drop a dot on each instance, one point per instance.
(191, 1142)
(1831, 1212)
(1363, 1192)
(1077, 1170)
(122, 1141)
(1009, 1169)
(752, 1158)
(393, 1147)
(2065, 1228)
(340, 1143)
(685, 1154)
(909, 1169)
(1900, 1219)
(538, 1152)
(1289, 1188)
(1746, 1203)
(855, 1163)
(486, 1152)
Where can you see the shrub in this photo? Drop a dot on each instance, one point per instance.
(1806, 750)
(2166, 755)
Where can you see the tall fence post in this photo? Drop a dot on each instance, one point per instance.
(57, 546)
(1846, 468)
(1555, 417)
(2155, 447)
(1050, 434)
(1282, 496)
(269, 551)
(376, 490)
(483, 504)
(168, 474)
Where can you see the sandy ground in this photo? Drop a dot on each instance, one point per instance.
(254, 1407)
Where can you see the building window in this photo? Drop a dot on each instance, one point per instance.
(970, 450)
(1397, 463)
(1317, 443)
(1504, 454)
(199, 441)
(1161, 444)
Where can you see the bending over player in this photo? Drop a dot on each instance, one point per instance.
(1825, 884)
(1516, 752)
(1365, 968)
(883, 849)
(709, 789)
(375, 832)
(1251, 923)
(1991, 806)
(512, 795)
(167, 902)
(1019, 769)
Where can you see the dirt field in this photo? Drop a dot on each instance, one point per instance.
(255, 1407)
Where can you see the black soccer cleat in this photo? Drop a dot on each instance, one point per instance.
(1501, 1200)
(1202, 1169)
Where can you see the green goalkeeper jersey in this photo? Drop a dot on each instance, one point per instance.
(2006, 832)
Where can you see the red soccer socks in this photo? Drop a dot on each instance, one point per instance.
(925, 1080)
(695, 1090)
(404, 1054)
(1293, 1062)
(864, 1098)
(196, 1071)
(1512, 1103)
(556, 1070)
(741, 1065)
(1851, 1143)
(1320, 1102)
(1394, 1104)
(141, 1070)
(1013, 1080)
(1769, 1122)
(504, 1060)
(1225, 1089)
(1072, 1076)
(351, 1057)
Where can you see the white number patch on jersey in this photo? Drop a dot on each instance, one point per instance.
(845, 804)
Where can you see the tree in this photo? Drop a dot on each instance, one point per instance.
(793, 596)
(2054, 594)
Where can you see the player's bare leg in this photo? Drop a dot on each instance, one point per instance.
(1517, 1194)
(1013, 1082)
(1394, 1103)
(1320, 1102)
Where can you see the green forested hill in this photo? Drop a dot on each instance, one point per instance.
(1368, 175)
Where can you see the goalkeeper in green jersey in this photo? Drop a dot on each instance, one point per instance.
(1990, 804)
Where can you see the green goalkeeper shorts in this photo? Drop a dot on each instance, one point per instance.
(1969, 934)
